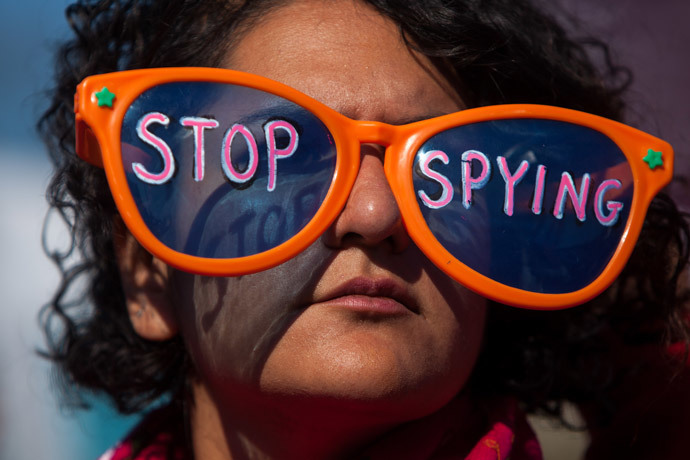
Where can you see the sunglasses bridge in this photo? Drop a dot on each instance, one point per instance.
(373, 132)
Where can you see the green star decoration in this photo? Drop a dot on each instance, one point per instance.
(653, 159)
(104, 97)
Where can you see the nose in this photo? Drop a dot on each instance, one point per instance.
(371, 216)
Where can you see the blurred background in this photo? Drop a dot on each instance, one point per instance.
(651, 38)
(32, 424)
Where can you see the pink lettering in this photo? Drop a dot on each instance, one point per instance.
(199, 124)
(511, 181)
(426, 171)
(539, 190)
(157, 143)
(228, 168)
(470, 183)
(579, 200)
(614, 207)
(275, 153)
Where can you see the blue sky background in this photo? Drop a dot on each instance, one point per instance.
(28, 30)
(650, 37)
(32, 425)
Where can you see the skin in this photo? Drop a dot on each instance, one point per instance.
(287, 366)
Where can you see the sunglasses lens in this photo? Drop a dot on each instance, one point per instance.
(224, 171)
(534, 204)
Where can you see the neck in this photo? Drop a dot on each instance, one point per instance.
(309, 429)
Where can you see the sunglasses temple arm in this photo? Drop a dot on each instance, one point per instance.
(86, 143)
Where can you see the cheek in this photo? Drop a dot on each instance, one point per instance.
(231, 325)
(459, 321)
(455, 320)
(465, 334)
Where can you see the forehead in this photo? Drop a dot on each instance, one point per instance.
(347, 56)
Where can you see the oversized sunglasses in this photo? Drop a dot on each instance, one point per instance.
(223, 173)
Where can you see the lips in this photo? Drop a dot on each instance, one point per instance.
(382, 296)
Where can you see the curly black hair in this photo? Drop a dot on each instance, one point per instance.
(493, 51)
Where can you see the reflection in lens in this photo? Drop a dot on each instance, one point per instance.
(250, 168)
(509, 226)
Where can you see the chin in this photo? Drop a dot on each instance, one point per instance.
(362, 372)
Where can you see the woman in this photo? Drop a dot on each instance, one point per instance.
(357, 344)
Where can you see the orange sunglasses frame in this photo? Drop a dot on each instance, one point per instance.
(98, 142)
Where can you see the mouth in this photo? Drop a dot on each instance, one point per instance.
(381, 296)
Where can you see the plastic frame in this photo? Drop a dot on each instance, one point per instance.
(98, 130)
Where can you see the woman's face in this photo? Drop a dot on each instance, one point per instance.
(361, 319)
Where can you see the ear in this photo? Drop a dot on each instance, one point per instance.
(145, 283)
